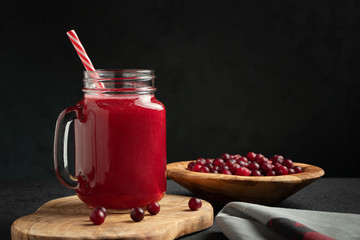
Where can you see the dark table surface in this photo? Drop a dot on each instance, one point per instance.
(19, 198)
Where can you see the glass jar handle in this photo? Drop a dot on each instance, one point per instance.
(63, 122)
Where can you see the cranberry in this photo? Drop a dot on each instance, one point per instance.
(254, 166)
(209, 165)
(226, 171)
(214, 168)
(251, 156)
(236, 156)
(277, 159)
(244, 159)
(201, 161)
(204, 169)
(276, 166)
(291, 171)
(137, 214)
(282, 170)
(242, 163)
(97, 216)
(256, 173)
(197, 167)
(230, 162)
(153, 208)
(262, 160)
(190, 166)
(209, 161)
(214, 171)
(288, 163)
(271, 173)
(102, 209)
(259, 156)
(297, 169)
(225, 156)
(194, 204)
(222, 168)
(234, 168)
(218, 162)
(267, 167)
(243, 171)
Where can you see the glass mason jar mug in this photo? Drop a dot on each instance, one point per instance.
(120, 141)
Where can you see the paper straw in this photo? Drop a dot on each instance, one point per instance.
(82, 54)
(80, 50)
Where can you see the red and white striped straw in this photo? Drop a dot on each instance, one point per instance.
(80, 50)
(83, 56)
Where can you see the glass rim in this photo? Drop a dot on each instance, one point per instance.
(120, 70)
(119, 74)
(119, 80)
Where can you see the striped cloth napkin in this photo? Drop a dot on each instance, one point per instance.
(240, 220)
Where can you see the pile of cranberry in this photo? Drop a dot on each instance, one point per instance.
(251, 165)
(137, 214)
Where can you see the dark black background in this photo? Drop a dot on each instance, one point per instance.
(273, 77)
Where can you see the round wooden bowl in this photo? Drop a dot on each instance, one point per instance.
(266, 190)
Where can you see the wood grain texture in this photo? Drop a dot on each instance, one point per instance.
(225, 188)
(68, 218)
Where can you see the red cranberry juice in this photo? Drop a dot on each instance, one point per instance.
(120, 144)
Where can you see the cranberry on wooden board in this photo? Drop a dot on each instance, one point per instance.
(137, 214)
(97, 216)
(194, 204)
(102, 209)
(153, 208)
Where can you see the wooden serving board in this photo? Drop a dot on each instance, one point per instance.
(68, 218)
